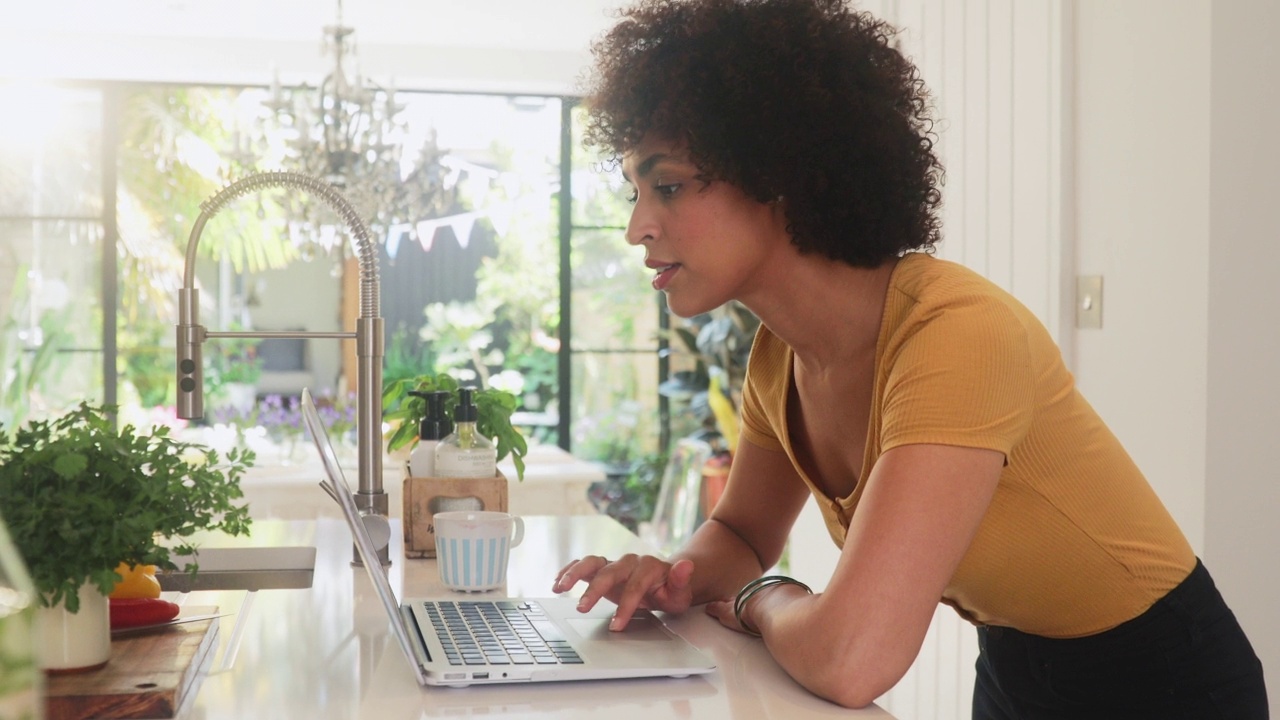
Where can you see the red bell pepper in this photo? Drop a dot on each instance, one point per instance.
(132, 612)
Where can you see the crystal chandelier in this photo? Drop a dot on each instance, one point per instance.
(348, 130)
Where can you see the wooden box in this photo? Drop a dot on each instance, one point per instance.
(424, 497)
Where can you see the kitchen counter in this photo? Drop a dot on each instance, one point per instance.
(328, 652)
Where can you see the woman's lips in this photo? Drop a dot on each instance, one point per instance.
(665, 273)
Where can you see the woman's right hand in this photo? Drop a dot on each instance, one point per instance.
(630, 582)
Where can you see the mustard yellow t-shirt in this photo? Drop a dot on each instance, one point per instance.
(1075, 540)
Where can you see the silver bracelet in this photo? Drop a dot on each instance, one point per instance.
(749, 591)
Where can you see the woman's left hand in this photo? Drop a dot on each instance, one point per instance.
(722, 610)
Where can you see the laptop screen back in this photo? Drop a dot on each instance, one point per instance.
(339, 490)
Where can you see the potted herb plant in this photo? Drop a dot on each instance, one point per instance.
(81, 498)
(494, 408)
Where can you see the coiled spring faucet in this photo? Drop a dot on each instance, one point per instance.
(370, 497)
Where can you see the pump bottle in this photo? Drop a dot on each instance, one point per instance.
(435, 425)
(466, 452)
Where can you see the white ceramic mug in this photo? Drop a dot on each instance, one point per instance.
(473, 546)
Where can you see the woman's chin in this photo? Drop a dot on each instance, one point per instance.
(686, 306)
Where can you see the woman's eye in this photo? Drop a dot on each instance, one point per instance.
(662, 190)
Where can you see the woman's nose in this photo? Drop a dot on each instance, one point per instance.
(639, 228)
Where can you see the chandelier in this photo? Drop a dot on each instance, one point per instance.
(349, 131)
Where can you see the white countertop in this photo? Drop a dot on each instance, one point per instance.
(327, 651)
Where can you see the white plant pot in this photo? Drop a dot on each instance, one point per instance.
(77, 642)
(241, 396)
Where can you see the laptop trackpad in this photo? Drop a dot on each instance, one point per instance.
(640, 628)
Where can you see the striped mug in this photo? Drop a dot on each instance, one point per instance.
(472, 547)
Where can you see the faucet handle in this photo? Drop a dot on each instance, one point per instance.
(190, 372)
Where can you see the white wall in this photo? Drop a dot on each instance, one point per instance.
(480, 45)
(1175, 176)
(1142, 222)
(1242, 479)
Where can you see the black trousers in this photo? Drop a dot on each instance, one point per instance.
(1185, 657)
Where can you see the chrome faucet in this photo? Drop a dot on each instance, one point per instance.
(369, 497)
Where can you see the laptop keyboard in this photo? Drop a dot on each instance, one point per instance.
(498, 632)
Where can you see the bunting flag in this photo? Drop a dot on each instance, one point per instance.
(500, 218)
(461, 226)
(426, 234)
(328, 236)
(395, 234)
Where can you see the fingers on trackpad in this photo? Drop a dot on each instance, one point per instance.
(641, 628)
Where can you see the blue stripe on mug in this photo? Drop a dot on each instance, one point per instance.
(466, 562)
(453, 559)
(493, 563)
(442, 552)
(442, 558)
(473, 563)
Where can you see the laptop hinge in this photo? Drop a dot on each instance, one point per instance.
(420, 649)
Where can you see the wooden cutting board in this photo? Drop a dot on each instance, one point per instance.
(150, 675)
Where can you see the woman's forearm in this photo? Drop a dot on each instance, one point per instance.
(723, 561)
(829, 655)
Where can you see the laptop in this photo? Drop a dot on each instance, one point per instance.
(460, 639)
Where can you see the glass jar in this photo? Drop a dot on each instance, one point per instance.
(21, 682)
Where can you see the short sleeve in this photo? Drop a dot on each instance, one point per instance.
(961, 374)
(764, 391)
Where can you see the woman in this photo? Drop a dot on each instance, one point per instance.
(781, 155)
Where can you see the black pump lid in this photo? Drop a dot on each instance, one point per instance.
(435, 424)
(466, 410)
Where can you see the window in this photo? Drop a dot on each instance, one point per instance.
(616, 340)
(482, 296)
(51, 248)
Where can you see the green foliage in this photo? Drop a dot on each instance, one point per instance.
(715, 342)
(174, 156)
(493, 408)
(28, 374)
(80, 498)
(147, 362)
(612, 436)
(460, 335)
(631, 496)
(540, 371)
(233, 360)
(521, 301)
(405, 358)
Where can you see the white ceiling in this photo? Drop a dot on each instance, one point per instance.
(514, 45)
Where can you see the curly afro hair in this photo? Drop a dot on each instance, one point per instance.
(806, 100)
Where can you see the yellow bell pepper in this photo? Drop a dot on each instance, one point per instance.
(139, 582)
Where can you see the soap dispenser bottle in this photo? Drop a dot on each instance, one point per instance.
(434, 427)
(465, 452)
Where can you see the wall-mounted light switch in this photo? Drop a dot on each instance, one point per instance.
(1089, 301)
